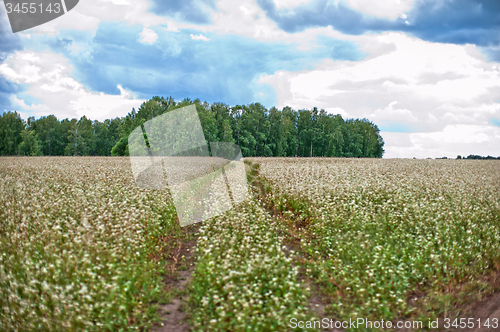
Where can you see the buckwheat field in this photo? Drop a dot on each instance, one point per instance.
(392, 238)
(82, 247)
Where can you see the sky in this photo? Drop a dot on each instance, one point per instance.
(426, 72)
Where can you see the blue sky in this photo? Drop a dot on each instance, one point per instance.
(427, 72)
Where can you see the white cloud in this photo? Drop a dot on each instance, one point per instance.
(393, 114)
(243, 18)
(413, 72)
(289, 3)
(405, 80)
(87, 15)
(451, 141)
(101, 106)
(49, 79)
(199, 37)
(26, 73)
(32, 107)
(148, 36)
(388, 8)
(336, 110)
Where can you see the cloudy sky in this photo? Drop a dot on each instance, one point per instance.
(427, 72)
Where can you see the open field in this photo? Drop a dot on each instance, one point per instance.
(391, 238)
(83, 248)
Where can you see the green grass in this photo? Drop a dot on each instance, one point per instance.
(82, 248)
(392, 240)
(243, 280)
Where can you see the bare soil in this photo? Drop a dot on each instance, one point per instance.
(488, 309)
(174, 317)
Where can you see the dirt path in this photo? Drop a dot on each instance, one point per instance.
(485, 311)
(173, 314)
(488, 309)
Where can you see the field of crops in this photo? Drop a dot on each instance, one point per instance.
(82, 247)
(392, 238)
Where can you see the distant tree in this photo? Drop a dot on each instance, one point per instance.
(290, 139)
(11, 126)
(120, 148)
(49, 134)
(29, 145)
(257, 130)
(77, 145)
(208, 121)
(86, 132)
(473, 156)
(276, 135)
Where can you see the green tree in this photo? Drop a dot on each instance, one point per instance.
(76, 143)
(291, 139)
(208, 121)
(29, 144)
(276, 135)
(11, 126)
(85, 130)
(49, 135)
(257, 130)
(120, 148)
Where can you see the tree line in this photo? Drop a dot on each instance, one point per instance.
(474, 156)
(257, 130)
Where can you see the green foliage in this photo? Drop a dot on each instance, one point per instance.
(11, 126)
(49, 135)
(393, 239)
(83, 249)
(29, 146)
(244, 280)
(473, 156)
(120, 148)
(257, 130)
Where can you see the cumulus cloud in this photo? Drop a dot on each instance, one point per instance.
(32, 107)
(336, 110)
(9, 42)
(451, 141)
(148, 36)
(87, 16)
(458, 21)
(392, 113)
(391, 9)
(289, 3)
(192, 11)
(102, 106)
(49, 77)
(199, 37)
(415, 86)
(224, 69)
(411, 72)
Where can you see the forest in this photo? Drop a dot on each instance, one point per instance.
(258, 131)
